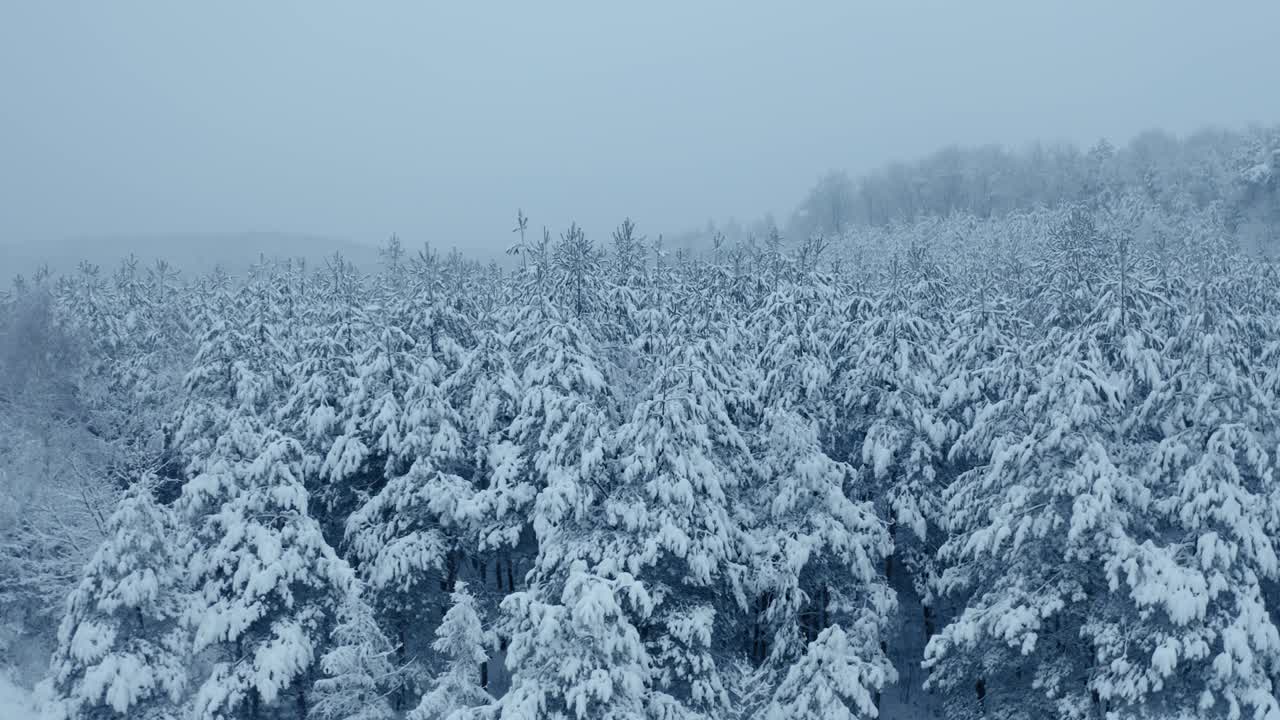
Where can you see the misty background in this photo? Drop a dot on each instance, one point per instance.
(138, 126)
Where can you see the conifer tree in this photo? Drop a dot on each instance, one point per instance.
(268, 585)
(577, 654)
(120, 651)
(461, 639)
(358, 670)
(669, 519)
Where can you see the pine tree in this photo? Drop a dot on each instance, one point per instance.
(579, 655)
(461, 639)
(815, 552)
(669, 518)
(119, 650)
(417, 528)
(628, 253)
(566, 410)
(486, 391)
(577, 262)
(887, 407)
(358, 670)
(1197, 629)
(267, 583)
(386, 369)
(833, 680)
(1031, 529)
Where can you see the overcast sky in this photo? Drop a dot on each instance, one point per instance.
(437, 120)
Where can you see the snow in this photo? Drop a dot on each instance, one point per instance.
(16, 703)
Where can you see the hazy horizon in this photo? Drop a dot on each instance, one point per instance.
(436, 123)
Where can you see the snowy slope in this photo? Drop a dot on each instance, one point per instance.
(15, 702)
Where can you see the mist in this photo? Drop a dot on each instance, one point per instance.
(437, 121)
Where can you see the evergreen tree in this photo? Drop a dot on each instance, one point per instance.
(578, 655)
(461, 639)
(416, 529)
(1031, 530)
(486, 391)
(268, 585)
(832, 680)
(887, 407)
(119, 650)
(359, 673)
(669, 518)
(566, 410)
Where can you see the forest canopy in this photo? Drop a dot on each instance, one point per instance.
(995, 433)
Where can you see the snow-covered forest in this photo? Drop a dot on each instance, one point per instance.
(996, 433)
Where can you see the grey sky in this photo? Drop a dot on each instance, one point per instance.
(437, 120)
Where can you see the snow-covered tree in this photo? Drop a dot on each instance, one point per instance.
(886, 375)
(358, 669)
(486, 391)
(120, 652)
(462, 641)
(317, 414)
(235, 374)
(267, 584)
(835, 678)
(815, 551)
(669, 518)
(577, 262)
(385, 370)
(1032, 526)
(1198, 629)
(416, 528)
(578, 655)
(566, 411)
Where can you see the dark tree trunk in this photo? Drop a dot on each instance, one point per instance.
(402, 657)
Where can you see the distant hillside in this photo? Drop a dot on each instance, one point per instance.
(191, 252)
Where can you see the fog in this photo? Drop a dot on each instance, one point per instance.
(436, 121)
